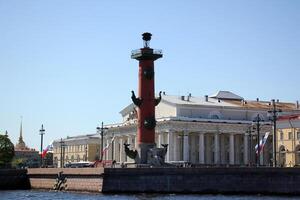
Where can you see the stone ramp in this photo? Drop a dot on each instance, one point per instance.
(76, 179)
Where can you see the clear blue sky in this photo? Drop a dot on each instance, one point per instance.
(67, 64)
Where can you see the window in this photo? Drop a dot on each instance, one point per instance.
(298, 135)
(281, 135)
(290, 135)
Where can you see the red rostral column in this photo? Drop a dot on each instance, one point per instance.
(146, 101)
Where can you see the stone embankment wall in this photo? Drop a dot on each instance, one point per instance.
(77, 179)
(13, 179)
(203, 180)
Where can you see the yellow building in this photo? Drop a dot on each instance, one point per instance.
(288, 141)
(83, 148)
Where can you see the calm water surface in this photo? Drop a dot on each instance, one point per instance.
(44, 195)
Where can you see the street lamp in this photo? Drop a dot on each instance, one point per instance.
(62, 148)
(85, 150)
(274, 112)
(250, 131)
(257, 122)
(101, 129)
(42, 132)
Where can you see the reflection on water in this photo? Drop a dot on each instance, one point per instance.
(51, 195)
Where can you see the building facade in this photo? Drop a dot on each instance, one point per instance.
(83, 148)
(288, 140)
(215, 130)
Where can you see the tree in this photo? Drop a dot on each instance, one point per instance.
(7, 151)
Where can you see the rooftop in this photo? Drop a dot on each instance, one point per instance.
(226, 95)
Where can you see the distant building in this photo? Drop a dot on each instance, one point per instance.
(209, 130)
(76, 149)
(26, 157)
(288, 140)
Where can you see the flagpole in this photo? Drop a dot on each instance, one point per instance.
(42, 132)
(102, 135)
(258, 120)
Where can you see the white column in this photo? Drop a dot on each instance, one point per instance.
(175, 147)
(246, 152)
(116, 150)
(217, 148)
(107, 153)
(160, 140)
(170, 152)
(201, 148)
(103, 148)
(135, 142)
(186, 147)
(122, 151)
(231, 149)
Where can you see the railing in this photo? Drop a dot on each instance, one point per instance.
(146, 51)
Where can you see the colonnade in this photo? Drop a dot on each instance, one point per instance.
(195, 147)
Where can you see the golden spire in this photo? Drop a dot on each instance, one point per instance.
(21, 143)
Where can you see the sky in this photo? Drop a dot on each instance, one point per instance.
(66, 64)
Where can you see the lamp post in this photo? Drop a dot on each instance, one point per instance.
(250, 131)
(101, 129)
(62, 147)
(42, 132)
(85, 150)
(274, 112)
(257, 122)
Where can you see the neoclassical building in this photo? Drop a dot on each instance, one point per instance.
(81, 148)
(208, 130)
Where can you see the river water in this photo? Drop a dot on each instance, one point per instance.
(45, 195)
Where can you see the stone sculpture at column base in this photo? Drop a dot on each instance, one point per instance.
(155, 156)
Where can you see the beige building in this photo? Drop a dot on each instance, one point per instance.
(288, 141)
(83, 148)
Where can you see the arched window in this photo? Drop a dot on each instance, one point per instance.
(215, 115)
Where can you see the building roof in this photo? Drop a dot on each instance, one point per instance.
(192, 100)
(79, 138)
(222, 99)
(265, 105)
(226, 95)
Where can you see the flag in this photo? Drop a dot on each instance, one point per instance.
(48, 148)
(262, 143)
(107, 145)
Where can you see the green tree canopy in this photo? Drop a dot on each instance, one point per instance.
(7, 151)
